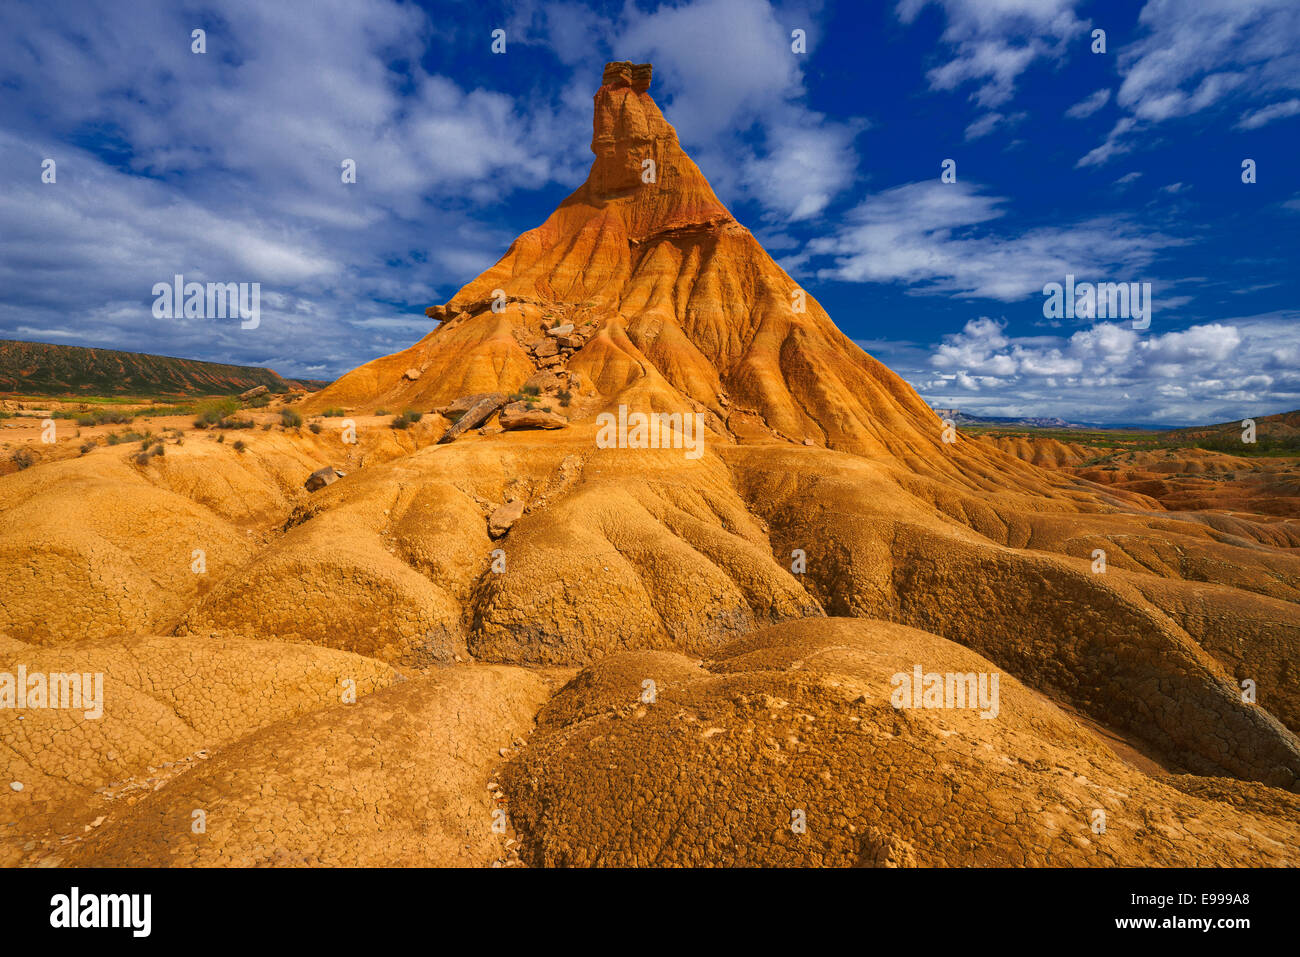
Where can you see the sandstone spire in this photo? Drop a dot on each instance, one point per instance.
(674, 305)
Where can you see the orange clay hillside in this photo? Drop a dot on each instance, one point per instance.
(485, 634)
(673, 306)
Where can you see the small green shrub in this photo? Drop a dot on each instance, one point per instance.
(290, 418)
(406, 419)
(212, 412)
(97, 417)
(157, 410)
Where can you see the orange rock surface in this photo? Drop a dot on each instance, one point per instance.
(826, 539)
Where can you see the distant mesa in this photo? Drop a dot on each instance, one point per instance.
(1033, 422)
(40, 368)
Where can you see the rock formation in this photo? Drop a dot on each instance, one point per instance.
(627, 653)
(651, 291)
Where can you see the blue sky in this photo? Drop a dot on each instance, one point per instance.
(1123, 166)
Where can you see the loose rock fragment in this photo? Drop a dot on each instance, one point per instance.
(504, 517)
(322, 477)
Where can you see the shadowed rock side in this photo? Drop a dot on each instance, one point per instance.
(794, 723)
(487, 569)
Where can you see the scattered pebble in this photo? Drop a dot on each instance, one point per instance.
(16, 785)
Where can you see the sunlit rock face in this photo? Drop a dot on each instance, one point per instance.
(495, 638)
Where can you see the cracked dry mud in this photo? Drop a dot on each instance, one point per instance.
(365, 675)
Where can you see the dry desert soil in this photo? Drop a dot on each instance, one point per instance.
(494, 639)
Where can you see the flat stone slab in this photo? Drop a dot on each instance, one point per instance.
(512, 419)
(464, 403)
(475, 416)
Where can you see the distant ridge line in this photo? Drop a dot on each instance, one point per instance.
(43, 368)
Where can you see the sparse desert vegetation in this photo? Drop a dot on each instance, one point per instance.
(406, 419)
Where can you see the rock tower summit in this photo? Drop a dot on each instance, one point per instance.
(626, 73)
